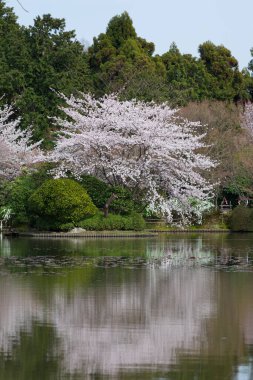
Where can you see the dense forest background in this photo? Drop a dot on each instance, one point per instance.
(38, 61)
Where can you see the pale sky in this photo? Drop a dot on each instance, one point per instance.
(187, 22)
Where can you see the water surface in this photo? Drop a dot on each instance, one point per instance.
(162, 308)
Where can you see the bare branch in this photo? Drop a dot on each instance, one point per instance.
(22, 6)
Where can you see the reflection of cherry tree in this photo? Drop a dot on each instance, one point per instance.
(145, 321)
(178, 252)
(141, 146)
(149, 318)
(16, 151)
(18, 310)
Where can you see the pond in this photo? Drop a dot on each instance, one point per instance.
(170, 307)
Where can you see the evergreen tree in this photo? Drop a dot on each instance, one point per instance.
(36, 60)
(13, 55)
(57, 61)
(187, 77)
(118, 57)
(120, 29)
(228, 81)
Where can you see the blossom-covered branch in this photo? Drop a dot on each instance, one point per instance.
(142, 146)
(16, 150)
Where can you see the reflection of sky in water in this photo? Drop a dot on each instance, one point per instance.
(244, 372)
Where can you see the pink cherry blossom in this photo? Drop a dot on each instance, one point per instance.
(143, 146)
(16, 151)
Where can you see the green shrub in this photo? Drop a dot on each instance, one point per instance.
(113, 222)
(241, 219)
(60, 201)
(124, 203)
(138, 223)
(66, 227)
(100, 192)
(20, 190)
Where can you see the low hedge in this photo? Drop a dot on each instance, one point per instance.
(113, 222)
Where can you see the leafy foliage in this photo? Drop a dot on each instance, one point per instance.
(228, 82)
(19, 191)
(119, 55)
(113, 222)
(13, 55)
(122, 61)
(100, 192)
(241, 219)
(59, 201)
(120, 28)
(35, 60)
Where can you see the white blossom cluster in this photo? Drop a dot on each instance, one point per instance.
(143, 146)
(16, 151)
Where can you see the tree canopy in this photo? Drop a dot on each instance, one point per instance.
(40, 60)
(35, 61)
(142, 146)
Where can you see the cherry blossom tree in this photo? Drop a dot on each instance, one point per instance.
(16, 151)
(143, 146)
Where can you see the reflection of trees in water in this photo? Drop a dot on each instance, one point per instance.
(204, 248)
(77, 246)
(194, 320)
(5, 247)
(32, 355)
(180, 245)
(229, 335)
(144, 319)
(18, 308)
(143, 322)
(179, 251)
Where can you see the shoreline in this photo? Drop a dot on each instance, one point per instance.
(109, 234)
(87, 234)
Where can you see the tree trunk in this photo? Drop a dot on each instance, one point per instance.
(108, 203)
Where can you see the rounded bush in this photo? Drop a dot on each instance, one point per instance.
(241, 219)
(60, 201)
